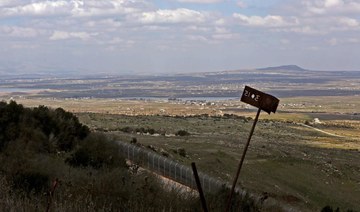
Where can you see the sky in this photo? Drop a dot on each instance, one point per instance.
(177, 36)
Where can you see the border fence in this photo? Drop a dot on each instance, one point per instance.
(168, 168)
(184, 175)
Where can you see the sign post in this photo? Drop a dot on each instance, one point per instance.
(198, 184)
(264, 102)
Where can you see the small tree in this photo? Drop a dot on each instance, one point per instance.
(182, 152)
(133, 140)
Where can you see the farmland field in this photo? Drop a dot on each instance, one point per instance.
(305, 155)
(306, 166)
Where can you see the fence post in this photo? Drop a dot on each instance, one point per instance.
(164, 167)
(133, 153)
(209, 184)
(181, 175)
(158, 164)
(170, 165)
(198, 184)
(175, 171)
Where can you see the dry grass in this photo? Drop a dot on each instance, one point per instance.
(285, 159)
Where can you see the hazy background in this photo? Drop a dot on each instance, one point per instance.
(175, 36)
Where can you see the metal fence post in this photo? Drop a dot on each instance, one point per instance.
(170, 166)
(164, 167)
(175, 171)
(129, 149)
(158, 164)
(133, 153)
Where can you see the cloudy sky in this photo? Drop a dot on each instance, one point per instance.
(176, 36)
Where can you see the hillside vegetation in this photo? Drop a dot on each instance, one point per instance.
(299, 165)
(41, 147)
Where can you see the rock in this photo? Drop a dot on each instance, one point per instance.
(164, 153)
(152, 148)
(317, 121)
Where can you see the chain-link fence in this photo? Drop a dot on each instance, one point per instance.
(184, 175)
(168, 168)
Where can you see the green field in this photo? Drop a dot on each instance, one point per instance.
(308, 166)
(302, 166)
(292, 163)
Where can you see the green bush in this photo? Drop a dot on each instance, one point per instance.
(133, 140)
(34, 143)
(182, 133)
(40, 124)
(97, 151)
(182, 152)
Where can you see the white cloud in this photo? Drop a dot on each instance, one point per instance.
(74, 8)
(284, 41)
(333, 41)
(62, 35)
(267, 21)
(329, 24)
(225, 36)
(5, 2)
(221, 30)
(105, 8)
(333, 3)
(15, 31)
(353, 40)
(196, 28)
(305, 30)
(347, 22)
(220, 21)
(133, 27)
(322, 7)
(201, 1)
(241, 4)
(107, 24)
(181, 15)
(197, 38)
(340, 41)
(39, 8)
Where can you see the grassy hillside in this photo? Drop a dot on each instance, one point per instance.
(286, 160)
(41, 147)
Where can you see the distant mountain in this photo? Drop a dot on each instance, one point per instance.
(283, 68)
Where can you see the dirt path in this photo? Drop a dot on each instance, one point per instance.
(327, 133)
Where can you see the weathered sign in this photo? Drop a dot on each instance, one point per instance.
(263, 101)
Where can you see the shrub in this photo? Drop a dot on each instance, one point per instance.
(133, 140)
(96, 151)
(182, 133)
(151, 131)
(182, 152)
(126, 130)
(31, 181)
(38, 125)
(93, 178)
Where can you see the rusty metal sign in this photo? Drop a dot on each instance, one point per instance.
(261, 100)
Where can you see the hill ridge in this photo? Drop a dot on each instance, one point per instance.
(283, 67)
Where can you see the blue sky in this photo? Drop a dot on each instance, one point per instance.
(177, 36)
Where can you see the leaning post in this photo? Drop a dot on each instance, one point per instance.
(200, 190)
(264, 102)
